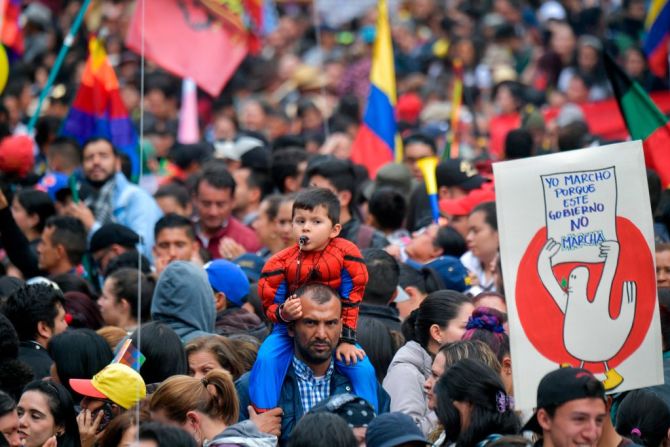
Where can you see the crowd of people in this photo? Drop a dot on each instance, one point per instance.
(258, 288)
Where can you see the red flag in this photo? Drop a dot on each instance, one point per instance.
(185, 38)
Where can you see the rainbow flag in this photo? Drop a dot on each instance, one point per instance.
(657, 25)
(129, 355)
(375, 144)
(97, 109)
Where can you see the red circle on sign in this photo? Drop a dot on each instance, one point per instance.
(541, 318)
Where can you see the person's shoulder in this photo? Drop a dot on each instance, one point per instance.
(344, 246)
(281, 256)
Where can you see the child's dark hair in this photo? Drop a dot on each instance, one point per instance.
(314, 197)
(644, 418)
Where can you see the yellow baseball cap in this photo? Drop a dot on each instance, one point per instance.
(117, 382)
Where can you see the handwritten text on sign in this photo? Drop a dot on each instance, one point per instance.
(580, 212)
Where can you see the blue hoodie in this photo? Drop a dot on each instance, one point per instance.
(183, 300)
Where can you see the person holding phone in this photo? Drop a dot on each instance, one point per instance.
(112, 391)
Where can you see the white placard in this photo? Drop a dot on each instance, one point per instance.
(576, 244)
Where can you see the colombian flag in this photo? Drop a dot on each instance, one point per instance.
(657, 25)
(375, 142)
(97, 109)
(643, 119)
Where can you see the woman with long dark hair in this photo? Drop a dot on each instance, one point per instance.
(46, 410)
(441, 318)
(473, 406)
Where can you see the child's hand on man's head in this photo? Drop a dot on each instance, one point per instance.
(292, 309)
(348, 353)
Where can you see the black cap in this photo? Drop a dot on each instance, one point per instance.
(564, 385)
(113, 233)
(461, 173)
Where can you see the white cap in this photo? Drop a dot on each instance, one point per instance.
(551, 10)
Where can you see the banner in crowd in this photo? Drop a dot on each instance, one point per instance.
(187, 39)
(576, 244)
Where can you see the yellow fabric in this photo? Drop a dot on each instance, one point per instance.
(121, 384)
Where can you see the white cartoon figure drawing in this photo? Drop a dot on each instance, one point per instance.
(590, 334)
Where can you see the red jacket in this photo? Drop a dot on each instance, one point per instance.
(340, 266)
(235, 230)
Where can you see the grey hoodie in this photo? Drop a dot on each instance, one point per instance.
(243, 434)
(183, 300)
(404, 381)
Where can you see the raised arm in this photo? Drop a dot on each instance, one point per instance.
(547, 275)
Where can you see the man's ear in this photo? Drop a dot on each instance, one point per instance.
(290, 327)
(62, 252)
(220, 301)
(43, 330)
(117, 164)
(345, 198)
(443, 192)
(543, 419)
(255, 195)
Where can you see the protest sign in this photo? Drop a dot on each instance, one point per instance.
(576, 243)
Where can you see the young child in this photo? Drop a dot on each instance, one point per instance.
(319, 256)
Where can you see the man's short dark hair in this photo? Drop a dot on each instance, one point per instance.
(317, 292)
(217, 175)
(388, 207)
(315, 197)
(71, 234)
(68, 149)
(518, 144)
(420, 138)
(340, 173)
(284, 163)
(259, 178)
(96, 139)
(173, 220)
(176, 191)
(31, 304)
(383, 274)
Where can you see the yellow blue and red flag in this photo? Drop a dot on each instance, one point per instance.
(657, 25)
(375, 144)
(97, 109)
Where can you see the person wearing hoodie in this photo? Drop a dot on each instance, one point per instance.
(207, 408)
(183, 301)
(441, 318)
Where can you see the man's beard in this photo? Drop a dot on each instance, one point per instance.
(313, 358)
(99, 184)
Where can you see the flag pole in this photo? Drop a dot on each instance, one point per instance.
(67, 44)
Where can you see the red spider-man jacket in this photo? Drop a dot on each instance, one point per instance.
(339, 266)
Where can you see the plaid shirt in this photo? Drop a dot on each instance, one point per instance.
(312, 389)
